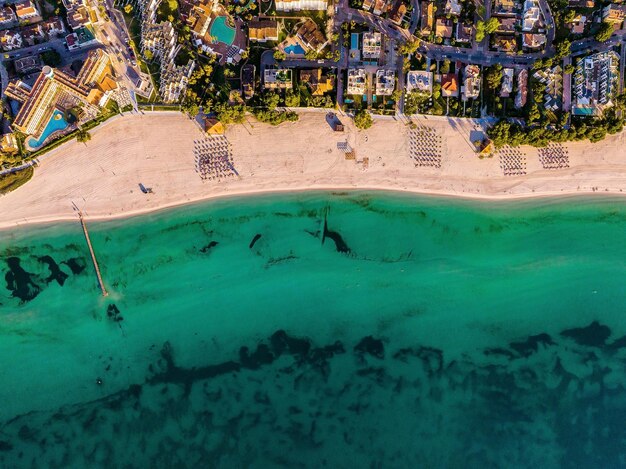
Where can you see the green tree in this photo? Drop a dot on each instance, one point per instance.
(270, 100)
(486, 27)
(292, 99)
(279, 55)
(128, 9)
(436, 91)
(229, 114)
(563, 48)
(605, 32)
(363, 119)
(494, 77)
(568, 69)
(492, 25)
(533, 114)
(310, 54)
(275, 117)
(51, 58)
(570, 15)
(480, 31)
(83, 136)
(409, 47)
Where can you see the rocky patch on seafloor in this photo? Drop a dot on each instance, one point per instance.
(286, 392)
(254, 240)
(55, 272)
(114, 314)
(340, 244)
(208, 247)
(26, 286)
(76, 264)
(20, 283)
(371, 346)
(593, 335)
(531, 344)
(280, 343)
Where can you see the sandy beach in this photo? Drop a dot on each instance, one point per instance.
(157, 149)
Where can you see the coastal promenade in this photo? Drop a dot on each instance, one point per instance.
(157, 149)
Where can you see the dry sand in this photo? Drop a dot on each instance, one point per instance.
(156, 149)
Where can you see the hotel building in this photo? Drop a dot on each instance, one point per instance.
(595, 83)
(55, 89)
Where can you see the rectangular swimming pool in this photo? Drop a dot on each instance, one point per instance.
(354, 41)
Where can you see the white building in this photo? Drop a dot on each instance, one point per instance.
(507, 82)
(161, 40)
(297, 5)
(453, 7)
(371, 45)
(10, 40)
(7, 17)
(385, 82)
(532, 18)
(174, 81)
(420, 81)
(357, 81)
(522, 89)
(552, 78)
(471, 83)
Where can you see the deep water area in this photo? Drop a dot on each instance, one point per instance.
(319, 329)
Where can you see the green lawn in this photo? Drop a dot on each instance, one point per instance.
(10, 182)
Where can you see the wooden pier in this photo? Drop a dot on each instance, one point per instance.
(93, 254)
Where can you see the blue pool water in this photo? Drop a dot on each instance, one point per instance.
(56, 122)
(221, 31)
(294, 49)
(354, 41)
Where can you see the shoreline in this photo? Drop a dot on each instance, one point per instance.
(269, 192)
(157, 149)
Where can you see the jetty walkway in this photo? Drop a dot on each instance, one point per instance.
(93, 254)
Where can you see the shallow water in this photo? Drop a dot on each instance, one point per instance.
(319, 330)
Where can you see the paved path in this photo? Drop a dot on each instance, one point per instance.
(567, 86)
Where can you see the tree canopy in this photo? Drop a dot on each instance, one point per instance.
(363, 119)
(605, 32)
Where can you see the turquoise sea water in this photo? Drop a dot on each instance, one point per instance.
(319, 330)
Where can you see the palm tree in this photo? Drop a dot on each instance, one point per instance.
(83, 136)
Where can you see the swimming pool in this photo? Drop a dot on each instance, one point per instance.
(294, 49)
(222, 32)
(57, 122)
(354, 41)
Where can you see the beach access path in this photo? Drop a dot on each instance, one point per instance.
(157, 149)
